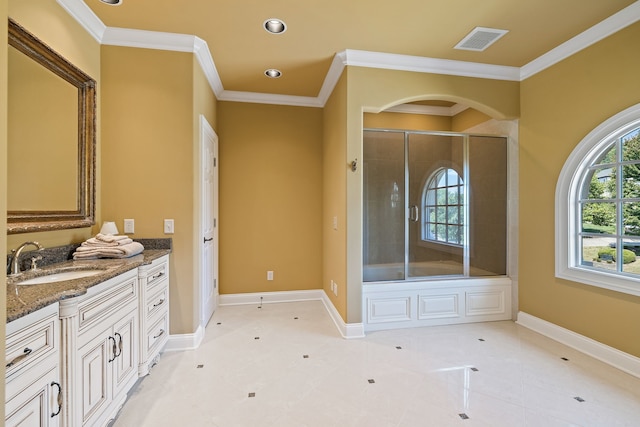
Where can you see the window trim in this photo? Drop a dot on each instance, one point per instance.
(568, 190)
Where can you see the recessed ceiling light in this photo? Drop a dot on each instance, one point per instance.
(275, 26)
(112, 2)
(273, 73)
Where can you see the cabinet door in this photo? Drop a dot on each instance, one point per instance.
(94, 359)
(38, 405)
(125, 366)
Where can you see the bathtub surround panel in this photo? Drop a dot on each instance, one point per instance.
(392, 305)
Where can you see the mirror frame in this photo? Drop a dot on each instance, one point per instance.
(84, 214)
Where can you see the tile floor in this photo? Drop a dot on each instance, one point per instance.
(286, 365)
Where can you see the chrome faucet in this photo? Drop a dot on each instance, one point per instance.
(15, 266)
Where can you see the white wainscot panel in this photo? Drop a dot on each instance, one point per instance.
(438, 306)
(485, 303)
(389, 309)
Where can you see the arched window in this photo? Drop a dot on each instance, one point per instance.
(598, 207)
(443, 208)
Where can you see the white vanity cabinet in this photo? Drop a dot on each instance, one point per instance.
(72, 363)
(100, 350)
(33, 394)
(154, 311)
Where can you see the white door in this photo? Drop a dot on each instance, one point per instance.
(209, 220)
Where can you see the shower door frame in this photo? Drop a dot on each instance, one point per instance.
(465, 178)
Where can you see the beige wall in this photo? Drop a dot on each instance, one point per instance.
(3, 181)
(147, 157)
(467, 119)
(53, 25)
(385, 120)
(334, 172)
(270, 197)
(458, 123)
(559, 107)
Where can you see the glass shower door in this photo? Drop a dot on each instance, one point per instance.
(384, 206)
(436, 231)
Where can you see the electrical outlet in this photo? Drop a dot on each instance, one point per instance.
(168, 226)
(335, 288)
(335, 222)
(270, 275)
(129, 226)
(331, 285)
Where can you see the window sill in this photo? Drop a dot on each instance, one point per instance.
(611, 281)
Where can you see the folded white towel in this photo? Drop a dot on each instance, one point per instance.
(93, 242)
(86, 255)
(122, 251)
(109, 238)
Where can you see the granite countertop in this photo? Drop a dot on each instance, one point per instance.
(25, 299)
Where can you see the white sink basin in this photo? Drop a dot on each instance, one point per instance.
(60, 276)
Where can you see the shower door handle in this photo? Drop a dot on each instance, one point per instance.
(414, 213)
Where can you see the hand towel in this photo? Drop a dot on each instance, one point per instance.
(109, 238)
(93, 242)
(122, 251)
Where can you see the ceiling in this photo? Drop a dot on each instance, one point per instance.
(319, 29)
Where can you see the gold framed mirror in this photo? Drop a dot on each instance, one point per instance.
(51, 138)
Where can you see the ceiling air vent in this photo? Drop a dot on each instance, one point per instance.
(480, 38)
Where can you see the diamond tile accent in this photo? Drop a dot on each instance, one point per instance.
(464, 416)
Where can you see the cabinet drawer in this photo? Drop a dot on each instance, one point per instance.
(158, 333)
(107, 302)
(31, 344)
(156, 274)
(157, 302)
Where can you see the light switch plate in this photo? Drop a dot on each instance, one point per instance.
(168, 226)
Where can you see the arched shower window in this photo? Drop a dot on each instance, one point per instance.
(443, 208)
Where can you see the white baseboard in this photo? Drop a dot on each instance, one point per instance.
(347, 330)
(270, 297)
(180, 342)
(609, 355)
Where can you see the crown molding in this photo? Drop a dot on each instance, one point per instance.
(332, 77)
(203, 55)
(128, 37)
(616, 22)
(85, 17)
(357, 58)
(270, 98)
(392, 61)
